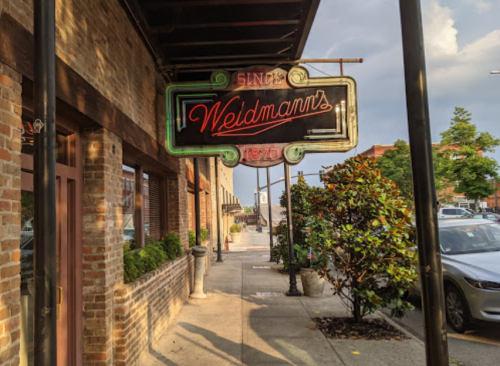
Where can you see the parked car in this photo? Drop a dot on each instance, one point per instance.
(447, 213)
(484, 215)
(470, 253)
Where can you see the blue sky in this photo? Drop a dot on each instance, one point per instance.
(462, 39)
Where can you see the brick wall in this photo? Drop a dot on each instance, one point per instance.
(145, 308)
(98, 41)
(178, 204)
(102, 242)
(10, 215)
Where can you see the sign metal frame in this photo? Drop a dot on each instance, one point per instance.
(342, 139)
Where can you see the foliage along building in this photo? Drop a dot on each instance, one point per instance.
(116, 181)
(458, 199)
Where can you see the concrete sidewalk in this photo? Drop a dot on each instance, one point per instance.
(252, 240)
(247, 320)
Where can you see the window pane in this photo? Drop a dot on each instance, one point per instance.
(128, 204)
(151, 203)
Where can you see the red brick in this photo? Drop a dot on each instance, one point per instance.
(5, 80)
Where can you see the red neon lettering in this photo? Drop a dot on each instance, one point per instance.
(255, 154)
(275, 150)
(241, 78)
(266, 149)
(258, 118)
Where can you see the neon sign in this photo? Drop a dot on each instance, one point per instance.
(245, 116)
(258, 118)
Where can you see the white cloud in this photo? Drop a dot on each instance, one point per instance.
(439, 31)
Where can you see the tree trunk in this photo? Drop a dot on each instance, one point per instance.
(476, 202)
(356, 311)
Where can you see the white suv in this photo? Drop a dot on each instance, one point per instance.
(452, 212)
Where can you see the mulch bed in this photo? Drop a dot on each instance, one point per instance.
(369, 329)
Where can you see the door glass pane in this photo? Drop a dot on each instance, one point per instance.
(27, 289)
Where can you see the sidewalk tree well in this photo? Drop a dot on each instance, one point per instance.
(462, 145)
(301, 208)
(363, 226)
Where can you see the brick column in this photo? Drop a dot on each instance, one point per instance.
(102, 242)
(178, 204)
(10, 214)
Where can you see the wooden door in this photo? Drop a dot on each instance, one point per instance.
(69, 253)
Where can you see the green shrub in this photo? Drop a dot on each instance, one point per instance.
(235, 229)
(363, 226)
(132, 267)
(245, 224)
(152, 256)
(138, 262)
(192, 236)
(172, 246)
(301, 217)
(204, 234)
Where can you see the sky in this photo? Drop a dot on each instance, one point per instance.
(462, 46)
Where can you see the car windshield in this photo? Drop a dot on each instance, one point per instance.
(470, 239)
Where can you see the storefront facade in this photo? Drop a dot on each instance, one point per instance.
(109, 148)
(116, 183)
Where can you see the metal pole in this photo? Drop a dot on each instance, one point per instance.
(197, 200)
(44, 179)
(292, 291)
(270, 216)
(259, 229)
(426, 204)
(217, 200)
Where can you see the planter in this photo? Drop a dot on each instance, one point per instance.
(312, 284)
(235, 237)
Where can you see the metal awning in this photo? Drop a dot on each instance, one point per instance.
(201, 35)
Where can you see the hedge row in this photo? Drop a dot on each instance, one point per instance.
(192, 236)
(152, 256)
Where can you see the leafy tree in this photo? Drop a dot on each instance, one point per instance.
(464, 164)
(248, 210)
(396, 166)
(300, 217)
(363, 226)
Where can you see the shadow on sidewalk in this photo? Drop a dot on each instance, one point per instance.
(161, 358)
(230, 348)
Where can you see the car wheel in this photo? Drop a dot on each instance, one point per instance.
(457, 310)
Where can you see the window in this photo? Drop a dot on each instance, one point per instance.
(449, 211)
(128, 205)
(152, 208)
(141, 225)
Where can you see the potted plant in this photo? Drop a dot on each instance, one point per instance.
(312, 283)
(235, 231)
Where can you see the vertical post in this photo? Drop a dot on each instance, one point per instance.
(292, 291)
(44, 179)
(217, 203)
(423, 183)
(197, 207)
(259, 229)
(270, 215)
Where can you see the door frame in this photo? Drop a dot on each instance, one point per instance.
(74, 291)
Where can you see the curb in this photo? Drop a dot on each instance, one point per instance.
(400, 328)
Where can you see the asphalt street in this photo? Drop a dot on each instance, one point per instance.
(480, 347)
